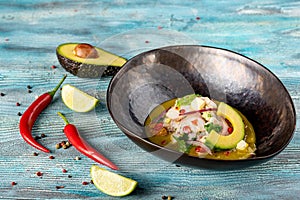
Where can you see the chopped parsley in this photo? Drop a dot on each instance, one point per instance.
(182, 145)
(209, 127)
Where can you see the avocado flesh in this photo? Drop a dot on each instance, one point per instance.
(107, 64)
(217, 141)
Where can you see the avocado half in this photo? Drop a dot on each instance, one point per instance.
(106, 64)
(217, 141)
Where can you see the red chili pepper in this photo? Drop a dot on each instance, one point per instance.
(230, 130)
(31, 114)
(82, 146)
(198, 149)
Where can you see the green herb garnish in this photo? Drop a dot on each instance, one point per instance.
(209, 127)
(182, 145)
(186, 100)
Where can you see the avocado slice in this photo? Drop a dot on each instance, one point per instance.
(217, 141)
(95, 63)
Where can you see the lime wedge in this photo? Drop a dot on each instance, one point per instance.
(111, 183)
(77, 100)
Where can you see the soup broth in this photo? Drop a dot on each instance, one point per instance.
(156, 118)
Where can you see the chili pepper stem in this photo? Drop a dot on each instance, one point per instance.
(63, 117)
(52, 93)
(82, 146)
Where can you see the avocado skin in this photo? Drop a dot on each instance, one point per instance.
(83, 70)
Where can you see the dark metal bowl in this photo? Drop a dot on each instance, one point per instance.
(156, 76)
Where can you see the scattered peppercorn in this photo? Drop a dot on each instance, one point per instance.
(13, 183)
(29, 91)
(19, 114)
(77, 158)
(85, 183)
(177, 165)
(198, 18)
(63, 144)
(2, 94)
(35, 154)
(51, 157)
(37, 137)
(147, 41)
(69, 176)
(53, 67)
(164, 197)
(29, 87)
(18, 104)
(64, 170)
(60, 187)
(58, 146)
(43, 135)
(39, 173)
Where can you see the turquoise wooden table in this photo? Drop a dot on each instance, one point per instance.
(267, 31)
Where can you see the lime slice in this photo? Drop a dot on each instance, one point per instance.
(111, 183)
(77, 100)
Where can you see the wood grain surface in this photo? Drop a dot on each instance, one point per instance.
(30, 31)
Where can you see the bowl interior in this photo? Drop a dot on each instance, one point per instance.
(156, 76)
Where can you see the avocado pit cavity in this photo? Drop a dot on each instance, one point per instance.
(87, 61)
(84, 50)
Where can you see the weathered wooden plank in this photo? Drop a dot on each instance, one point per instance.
(267, 31)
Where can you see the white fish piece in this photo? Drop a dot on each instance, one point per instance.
(214, 120)
(185, 108)
(172, 113)
(209, 102)
(194, 121)
(197, 104)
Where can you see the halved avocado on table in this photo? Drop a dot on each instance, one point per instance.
(86, 61)
(217, 141)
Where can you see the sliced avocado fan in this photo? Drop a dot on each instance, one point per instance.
(86, 61)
